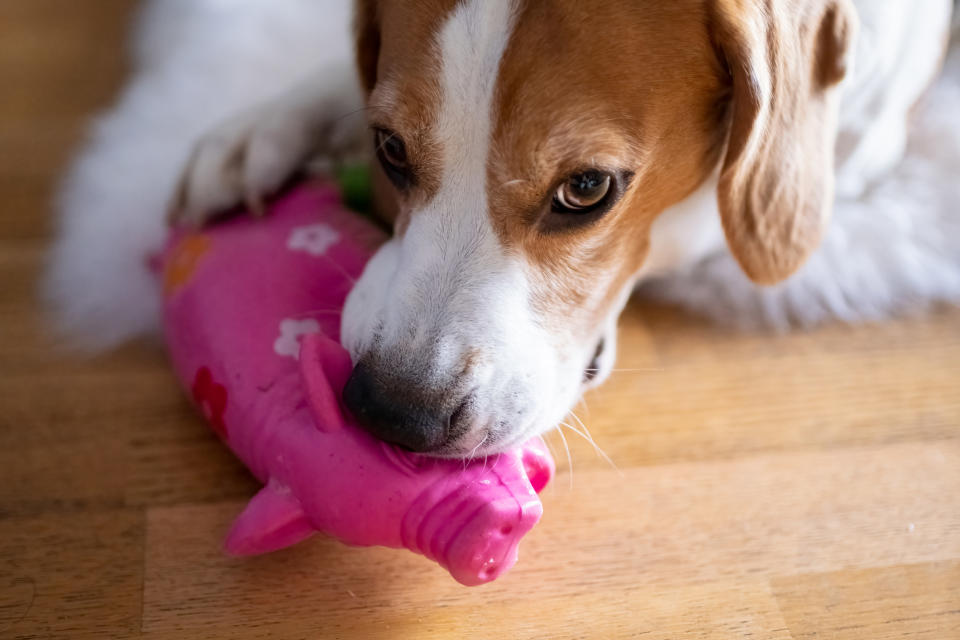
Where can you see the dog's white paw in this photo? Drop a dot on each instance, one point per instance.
(251, 156)
(243, 161)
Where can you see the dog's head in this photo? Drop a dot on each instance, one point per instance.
(525, 148)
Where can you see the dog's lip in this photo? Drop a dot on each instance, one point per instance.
(592, 370)
(458, 416)
(452, 450)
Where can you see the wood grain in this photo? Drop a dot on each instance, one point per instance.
(796, 486)
(905, 601)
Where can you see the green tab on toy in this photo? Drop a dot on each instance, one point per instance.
(356, 187)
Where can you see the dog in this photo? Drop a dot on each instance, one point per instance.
(538, 160)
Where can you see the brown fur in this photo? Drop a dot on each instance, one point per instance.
(618, 91)
(776, 187)
(654, 88)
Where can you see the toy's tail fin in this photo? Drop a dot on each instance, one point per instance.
(272, 520)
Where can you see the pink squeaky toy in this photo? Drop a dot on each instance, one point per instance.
(252, 320)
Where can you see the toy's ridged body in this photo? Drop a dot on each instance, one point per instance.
(252, 312)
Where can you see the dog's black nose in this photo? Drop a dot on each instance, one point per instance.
(395, 411)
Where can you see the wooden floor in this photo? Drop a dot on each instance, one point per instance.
(796, 487)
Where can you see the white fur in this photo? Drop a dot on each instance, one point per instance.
(196, 63)
(893, 246)
(686, 233)
(899, 49)
(252, 154)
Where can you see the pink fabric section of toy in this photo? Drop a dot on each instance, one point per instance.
(252, 314)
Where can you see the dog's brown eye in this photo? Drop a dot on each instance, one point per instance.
(584, 198)
(583, 192)
(391, 146)
(392, 153)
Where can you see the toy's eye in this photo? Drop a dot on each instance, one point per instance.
(392, 154)
(583, 192)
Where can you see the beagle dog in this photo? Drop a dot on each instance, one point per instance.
(539, 158)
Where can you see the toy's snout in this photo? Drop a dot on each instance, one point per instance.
(400, 411)
(472, 524)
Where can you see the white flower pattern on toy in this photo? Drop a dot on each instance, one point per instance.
(287, 343)
(315, 239)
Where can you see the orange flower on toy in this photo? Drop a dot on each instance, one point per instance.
(183, 261)
(211, 398)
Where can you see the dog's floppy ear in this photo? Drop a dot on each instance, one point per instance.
(784, 59)
(366, 27)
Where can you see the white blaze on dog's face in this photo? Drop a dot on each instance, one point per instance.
(526, 147)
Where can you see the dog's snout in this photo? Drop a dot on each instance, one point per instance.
(397, 412)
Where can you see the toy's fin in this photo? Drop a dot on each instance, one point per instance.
(325, 367)
(273, 520)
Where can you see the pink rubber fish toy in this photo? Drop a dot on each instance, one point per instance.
(252, 317)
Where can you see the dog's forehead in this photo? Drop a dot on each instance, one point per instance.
(501, 98)
(569, 80)
(417, 39)
(437, 76)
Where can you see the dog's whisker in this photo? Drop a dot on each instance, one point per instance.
(586, 435)
(586, 407)
(340, 268)
(467, 459)
(357, 111)
(385, 141)
(314, 312)
(581, 423)
(595, 370)
(569, 457)
(550, 448)
(474, 450)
